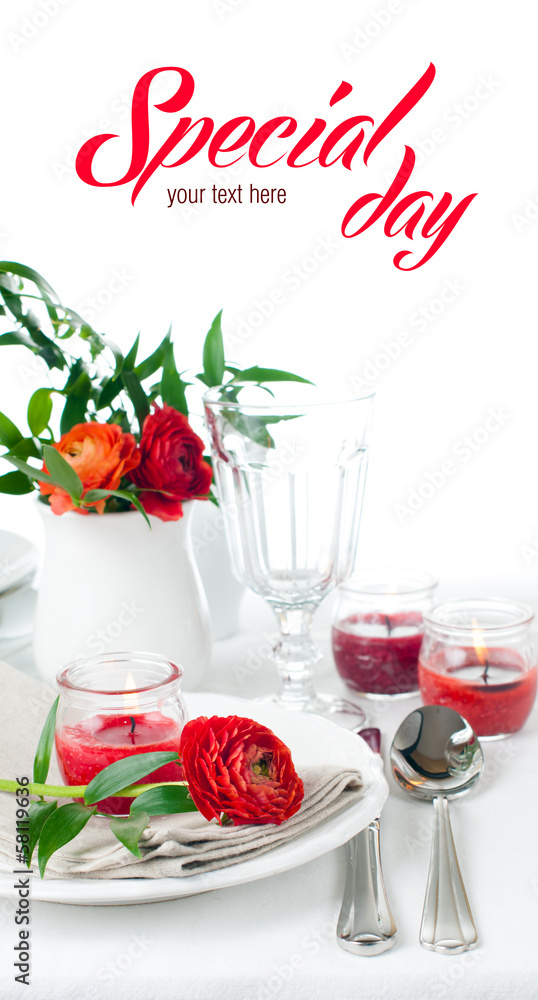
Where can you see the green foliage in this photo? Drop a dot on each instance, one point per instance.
(88, 378)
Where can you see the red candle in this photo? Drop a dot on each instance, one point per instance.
(378, 654)
(494, 695)
(86, 748)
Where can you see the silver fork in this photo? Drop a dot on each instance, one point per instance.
(366, 924)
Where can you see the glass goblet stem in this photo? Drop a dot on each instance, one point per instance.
(295, 655)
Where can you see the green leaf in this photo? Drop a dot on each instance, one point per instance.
(62, 826)
(92, 496)
(155, 360)
(38, 813)
(163, 800)
(15, 483)
(122, 773)
(213, 354)
(74, 412)
(62, 472)
(257, 374)
(130, 358)
(172, 385)
(26, 448)
(40, 477)
(12, 267)
(110, 388)
(10, 435)
(39, 410)
(137, 395)
(44, 747)
(129, 829)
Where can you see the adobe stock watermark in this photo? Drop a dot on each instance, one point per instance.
(128, 613)
(283, 973)
(368, 31)
(527, 215)
(94, 304)
(421, 320)
(291, 281)
(530, 550)
(453, 118)
(225, 7)
(44, 12)
(461, 453)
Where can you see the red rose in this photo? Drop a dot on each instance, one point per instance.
(171, 463)
(101, 454)
(238, 767)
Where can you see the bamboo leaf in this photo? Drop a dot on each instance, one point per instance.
(129, 829)
(38, 813)
(137, 395)
(39, 410)
(172, 385)
(44, 747)
(10, 435)
(257, 374)
(155, 360)
(15, 483)
(40, 477)
(163, 801)
(62, 826)
(130, 358)
(122, 773)
(92, 496)
(63, 473)
(213, 353)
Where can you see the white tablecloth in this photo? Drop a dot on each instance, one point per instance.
(275, 939)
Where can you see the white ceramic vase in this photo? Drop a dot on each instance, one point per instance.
(111, 584)
(223, 590)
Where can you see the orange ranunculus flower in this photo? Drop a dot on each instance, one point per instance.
(101, 454)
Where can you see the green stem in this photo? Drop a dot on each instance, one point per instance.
(77, 791)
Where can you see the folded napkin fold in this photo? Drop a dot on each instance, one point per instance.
(178, 845)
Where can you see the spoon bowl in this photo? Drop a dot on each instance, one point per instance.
(435, 752)
(436, 755)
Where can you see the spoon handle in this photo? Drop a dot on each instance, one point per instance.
(447, 922)
(366, 925)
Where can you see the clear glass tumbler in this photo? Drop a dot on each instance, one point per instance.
(290, 471)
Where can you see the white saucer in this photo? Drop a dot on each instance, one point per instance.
(18, 561)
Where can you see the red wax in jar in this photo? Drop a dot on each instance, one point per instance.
(378, 654)
(86, 748)
(495, 703)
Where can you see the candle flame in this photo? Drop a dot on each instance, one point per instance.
(479, 644)
(130, 699)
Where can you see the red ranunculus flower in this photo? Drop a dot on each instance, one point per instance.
(171, 463)
(238, 767)
(101, 454)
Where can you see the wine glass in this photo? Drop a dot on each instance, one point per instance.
(290, 471)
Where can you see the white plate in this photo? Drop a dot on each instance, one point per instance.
(17, 614)
(18, 561)
(312, 740)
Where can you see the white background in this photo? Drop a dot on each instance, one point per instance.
(68, 72)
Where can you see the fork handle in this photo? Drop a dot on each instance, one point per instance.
(366, 925)
(447, 922)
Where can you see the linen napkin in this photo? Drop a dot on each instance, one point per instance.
(178, 845)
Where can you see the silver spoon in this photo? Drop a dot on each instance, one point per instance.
(436, 754)
(366, 925)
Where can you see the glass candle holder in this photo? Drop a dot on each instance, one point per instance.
(378, 629)
(114, 706)
(478, 658)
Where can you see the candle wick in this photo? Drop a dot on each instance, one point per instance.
(133, 723)
(387, 619)
(486, 668)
